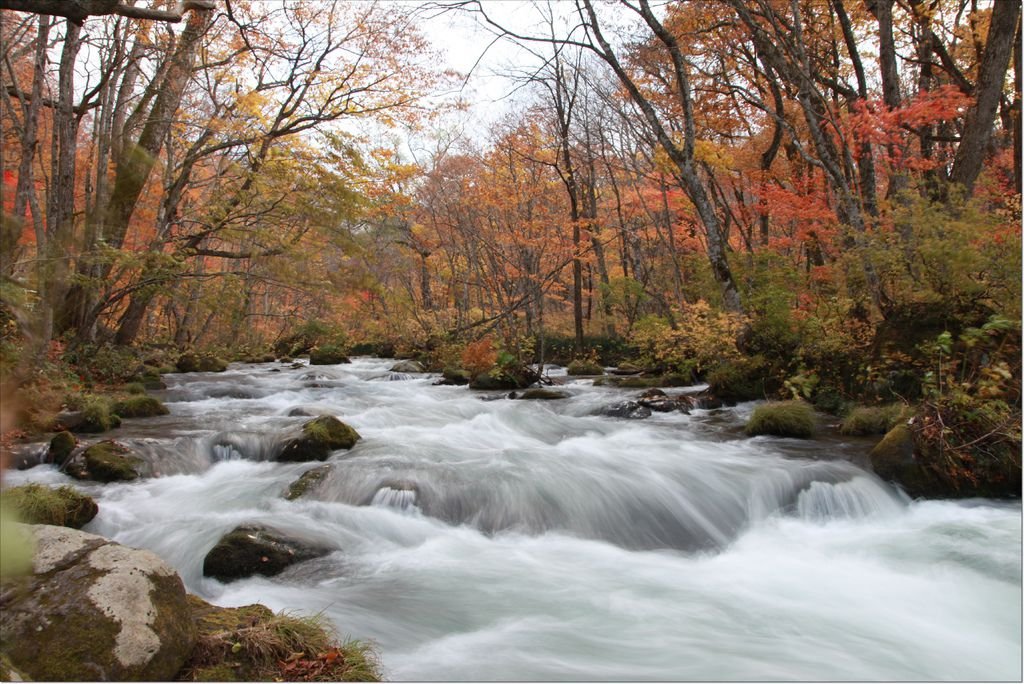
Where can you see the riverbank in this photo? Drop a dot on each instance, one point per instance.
(474, 536)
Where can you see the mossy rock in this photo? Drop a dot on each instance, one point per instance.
(61, 446)
(408, 366)
(190, 362)
(251, 550)
(327, 355)
(93, 609)
(456, 376)
(638, 382)
(318, 439)
(36, 504)
(493, 380)
(627, 368)
(905, 458)
(140, 407)
(872, 420)
(585, 367)
(782, 419)
(541, 394)
(134, 389)
(105, 461)
(9, 673)
(259, 358)
(308, 480)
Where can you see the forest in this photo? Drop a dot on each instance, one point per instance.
(816, 200)
(802, 218)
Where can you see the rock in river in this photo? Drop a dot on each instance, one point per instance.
(256, 550)
(94, 610)
(318, 438)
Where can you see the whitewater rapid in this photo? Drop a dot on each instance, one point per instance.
(477, 537)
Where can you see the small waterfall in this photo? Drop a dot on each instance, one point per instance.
(226, 452)
(401, 499)
(399, 376)
(231, 446)
(856, 498)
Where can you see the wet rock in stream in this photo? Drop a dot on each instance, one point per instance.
(256, 550)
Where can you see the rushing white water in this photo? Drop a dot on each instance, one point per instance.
(481, 538)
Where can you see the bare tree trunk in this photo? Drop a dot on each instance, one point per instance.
(135, 164)
(24, 192)
(61, 205)
(989, 89)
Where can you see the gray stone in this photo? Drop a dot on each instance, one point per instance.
(95, 610)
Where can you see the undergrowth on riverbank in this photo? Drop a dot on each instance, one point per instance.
(251, 643)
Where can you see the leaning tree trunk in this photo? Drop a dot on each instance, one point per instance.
(989, 88)
(135, 164)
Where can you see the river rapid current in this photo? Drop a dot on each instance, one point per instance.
(478, 537)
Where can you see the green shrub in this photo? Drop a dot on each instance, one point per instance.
(36, 504)
(135, 388)
(742, 379)
(104, 363)
(782, 419)
(872, 420)
(97, 414)
(140, 407)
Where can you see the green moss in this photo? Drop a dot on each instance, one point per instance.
(251, 643)
(327, 355)
(97, 415)
(638, 382)
(457, 376)
(872, 420)
(36, 504)
(319, 438)
(191, 362)
(585, 367)
(9, 673)
(135, 388)
(783, 419)
(61, 446)
(306, 481)
(105, 461)
(140, 407)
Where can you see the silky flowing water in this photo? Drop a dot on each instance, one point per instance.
(478, 537)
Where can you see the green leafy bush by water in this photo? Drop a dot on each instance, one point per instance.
(782, 419)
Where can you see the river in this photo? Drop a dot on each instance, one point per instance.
(482, 538)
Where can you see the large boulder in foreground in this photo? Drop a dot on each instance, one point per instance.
(318, 438)
(94, 610)
(251, 550)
